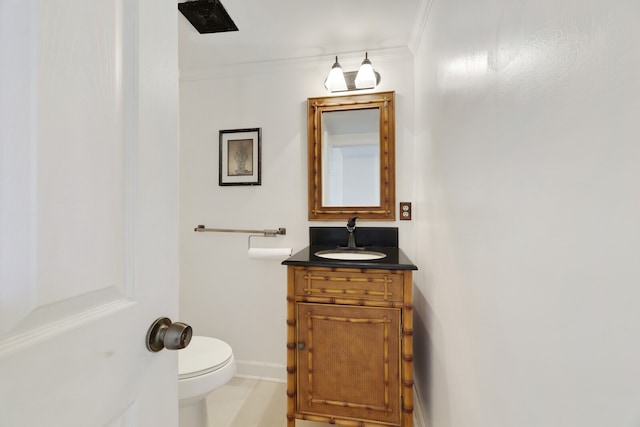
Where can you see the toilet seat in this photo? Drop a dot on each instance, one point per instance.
(203, 355)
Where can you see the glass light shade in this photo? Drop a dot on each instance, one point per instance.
(366, 77)
(335, 80)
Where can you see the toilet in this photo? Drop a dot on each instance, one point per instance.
(204, 365)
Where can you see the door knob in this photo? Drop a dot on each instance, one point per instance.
(165, 334)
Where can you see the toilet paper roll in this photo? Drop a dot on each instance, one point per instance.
(270, 253)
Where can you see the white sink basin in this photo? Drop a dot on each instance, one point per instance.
(350, 255)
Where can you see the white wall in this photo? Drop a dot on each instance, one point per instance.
(223, 292)
(528, 234)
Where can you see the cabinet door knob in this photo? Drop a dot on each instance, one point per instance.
(300, 346)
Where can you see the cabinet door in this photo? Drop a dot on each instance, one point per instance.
(349, 362)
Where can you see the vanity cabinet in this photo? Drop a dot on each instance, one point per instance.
(349, 346)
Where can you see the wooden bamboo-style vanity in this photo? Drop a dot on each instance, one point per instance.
(349, 342)
(349, 321)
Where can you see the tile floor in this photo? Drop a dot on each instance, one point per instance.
(246, 402)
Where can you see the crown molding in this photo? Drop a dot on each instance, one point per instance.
(419, 24)
(347, 59)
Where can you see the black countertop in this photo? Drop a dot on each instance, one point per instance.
(395, 259)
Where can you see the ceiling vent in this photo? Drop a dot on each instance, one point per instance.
(207, 16)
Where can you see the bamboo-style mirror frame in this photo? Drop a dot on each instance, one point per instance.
(385, 102)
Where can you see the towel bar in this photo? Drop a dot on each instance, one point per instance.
(265, 233)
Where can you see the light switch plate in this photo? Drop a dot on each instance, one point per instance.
(405, 211)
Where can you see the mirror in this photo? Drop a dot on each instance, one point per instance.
(351, 158)
(351, 149)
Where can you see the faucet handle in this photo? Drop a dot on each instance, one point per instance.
(351, 224)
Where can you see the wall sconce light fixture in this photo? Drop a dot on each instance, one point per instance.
(335, 81)
(365, 78)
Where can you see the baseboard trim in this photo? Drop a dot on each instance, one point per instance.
(261, 371)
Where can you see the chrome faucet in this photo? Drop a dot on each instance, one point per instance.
(351, 228)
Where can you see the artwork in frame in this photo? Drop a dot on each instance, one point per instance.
(240, 152)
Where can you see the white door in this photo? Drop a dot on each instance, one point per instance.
(88, 211)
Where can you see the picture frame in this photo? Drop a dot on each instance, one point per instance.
(240, 160)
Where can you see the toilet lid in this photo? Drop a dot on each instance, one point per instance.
(203, 355)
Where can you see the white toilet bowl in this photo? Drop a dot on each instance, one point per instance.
(204, 365)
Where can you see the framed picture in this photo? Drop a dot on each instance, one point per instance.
(240, 152)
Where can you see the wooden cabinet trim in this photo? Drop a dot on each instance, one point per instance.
(351, 287)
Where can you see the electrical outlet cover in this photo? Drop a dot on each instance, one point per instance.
(405, 211)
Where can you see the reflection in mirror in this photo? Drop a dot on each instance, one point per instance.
(352, 157)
